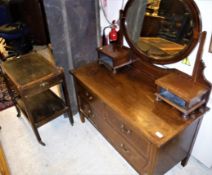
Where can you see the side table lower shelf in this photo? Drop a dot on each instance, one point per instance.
(43, 108)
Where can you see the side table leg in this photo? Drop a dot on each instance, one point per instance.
(67, 101)
(18, 111)
(31, 120)
(35, 130)
(12, 96)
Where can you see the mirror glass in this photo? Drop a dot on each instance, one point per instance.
(162, 29)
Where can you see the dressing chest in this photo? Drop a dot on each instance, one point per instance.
(152, 135)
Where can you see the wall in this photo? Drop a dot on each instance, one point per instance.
(73, 33)
(202, 149)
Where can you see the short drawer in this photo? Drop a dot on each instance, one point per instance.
(42, 85)
(89, 105)
(84, 92)
(136, 139)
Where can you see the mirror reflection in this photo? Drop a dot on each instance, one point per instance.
(159, 28)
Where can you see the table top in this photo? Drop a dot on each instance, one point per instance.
(130, 94)
(28, 68)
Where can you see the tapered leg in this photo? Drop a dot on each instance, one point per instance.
(185, 160)
(67, 101)
(31, 119)
(12, 95)
(18, 111)
(82, 118)
(35, 130)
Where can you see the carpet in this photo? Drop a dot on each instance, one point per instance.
(5, 99)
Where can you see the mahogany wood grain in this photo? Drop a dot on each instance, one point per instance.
(128, 94)
(128, 117)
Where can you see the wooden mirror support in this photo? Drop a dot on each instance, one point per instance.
(187, 94)
(210, 46)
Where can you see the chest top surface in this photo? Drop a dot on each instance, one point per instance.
(130, 94)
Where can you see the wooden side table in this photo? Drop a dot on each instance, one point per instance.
(29, 80)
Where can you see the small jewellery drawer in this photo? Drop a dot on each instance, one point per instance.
(137, 140)
(39, 86)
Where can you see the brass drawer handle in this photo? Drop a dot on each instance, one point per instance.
(124, 148)
(44, 84)
(89, 111)
(87, 94)
(125, 130)
(90, 98)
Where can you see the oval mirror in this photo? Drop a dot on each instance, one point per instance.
(161, 31)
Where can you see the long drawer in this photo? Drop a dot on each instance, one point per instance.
(137, 160)
(127, 132)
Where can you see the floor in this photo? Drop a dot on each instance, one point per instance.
(69, 150)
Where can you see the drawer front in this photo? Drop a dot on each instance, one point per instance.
(137, 140)
(138, 161)
(89, 105)
(41, 86)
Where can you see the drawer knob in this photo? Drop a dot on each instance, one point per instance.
(125, 130)
(43, 84)
(90, 98)
(89, 111)
(124, 148)
(86, 94)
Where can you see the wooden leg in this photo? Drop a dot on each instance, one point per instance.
(18, 111)
(31, 120)
(35, 130)
(12, 96)
(82, 118)
(185, 160)
(67, 101)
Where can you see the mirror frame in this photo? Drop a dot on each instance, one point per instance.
(197, 29)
